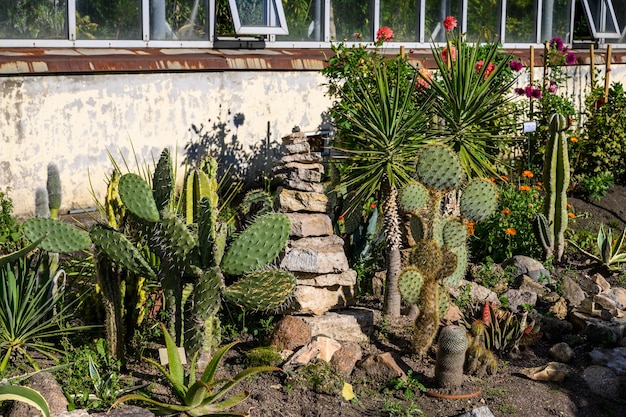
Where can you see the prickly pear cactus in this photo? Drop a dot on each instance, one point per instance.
(414, 197)
(479, 200)
(410, 284)
(263, 290)
(59, 237)
(163, 181)
(120, 250)
(137, 196)
(439, 168)
(258, 245)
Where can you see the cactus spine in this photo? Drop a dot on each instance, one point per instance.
(550, 229)
(439, 256)
(451, 356)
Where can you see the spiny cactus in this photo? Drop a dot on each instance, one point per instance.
(53, 186)
(451, 356)
(550, 230)
(59, 237)
(440, 254)
(137, 196)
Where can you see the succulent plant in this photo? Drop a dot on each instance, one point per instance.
(453, 344)
(53, 187)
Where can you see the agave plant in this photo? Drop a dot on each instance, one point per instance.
(610, 251)
(31, 317)
(387, 125)
(24, 394)
(202, 397)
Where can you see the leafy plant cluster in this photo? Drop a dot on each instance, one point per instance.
(10, 228)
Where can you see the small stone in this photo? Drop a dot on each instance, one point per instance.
(381, 368)
(298, 174)
(529, 266)
(295, 137)
(453, 315)
(49, 388)
(320, 255)
(346, 358)
(526, 283)
(589, 285)
(350, 325)
(562, 352)
(310, 224)
(477, 293)
(327, 347)
(573, 293)
(601, 282)
(559, 309)
(292, 148)
(319, 300)
(602, 381)
(619, 295)
(290, 333)
(604, 300)
(477, 412)
(614, 359)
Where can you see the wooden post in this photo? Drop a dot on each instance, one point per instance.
(532, 74)
(607, 73)
(545, 65)
(592, 66)
(402, 51)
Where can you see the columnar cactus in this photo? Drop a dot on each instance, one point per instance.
(440, 254)
(550, 226)
(53, 186)
(451, 356)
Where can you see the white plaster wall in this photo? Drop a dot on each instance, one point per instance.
(73, 121)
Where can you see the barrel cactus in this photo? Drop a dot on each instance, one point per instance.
(453, 344)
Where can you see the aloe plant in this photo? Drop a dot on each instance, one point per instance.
(198, 397)
(610, 251)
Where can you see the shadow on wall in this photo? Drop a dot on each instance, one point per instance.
(251, 164)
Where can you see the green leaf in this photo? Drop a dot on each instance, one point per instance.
(26, 395)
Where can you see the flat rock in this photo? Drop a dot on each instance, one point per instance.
(319, 300)
(619, 295)
(350, 325)
(382, 367)
(302, 158)
(295, 147)
(614, 359)
(298, 174)
(310, 224)
(294, 137)
(345, 359)
(526, 283)
(293, 201)
(346, 278)
(602, 381)
(478, 293)
(599, 330)
(320, 255)
(299, 185)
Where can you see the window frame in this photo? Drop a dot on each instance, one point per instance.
(273, 28)
(610, 14)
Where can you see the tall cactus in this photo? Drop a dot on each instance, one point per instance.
(550, 226)
(53, 186)
(439, 257)
(453, 344)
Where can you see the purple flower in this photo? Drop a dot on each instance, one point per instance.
(529, 91)
(520, 91)
(536, 93)
(556, 43)
(516, 65)
(570, 59)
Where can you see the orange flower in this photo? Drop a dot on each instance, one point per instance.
(506, 211)
(444, 53)
(539, 183)
(571, 215)
(573, 139)
(492, 179)
(568, 205)
(504, 177)
(538, 187)
(510, 231)
(524, 188)
(527, 174)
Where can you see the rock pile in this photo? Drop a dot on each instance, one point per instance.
(314, 253)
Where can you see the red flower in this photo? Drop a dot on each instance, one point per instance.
(490, 67)
(444, 53)
(384, 34)
(422, 82)
(449, 23)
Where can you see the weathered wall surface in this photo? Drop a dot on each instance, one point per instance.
(73, 120)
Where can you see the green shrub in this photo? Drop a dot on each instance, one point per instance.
(10, 229)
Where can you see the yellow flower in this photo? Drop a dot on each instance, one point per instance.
(510, 231)
(506, 211)
(527, 174)
(524, 188)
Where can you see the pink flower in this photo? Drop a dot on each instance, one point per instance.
(449, 23)
(444, 53)
(356, 35)
(552, 87)
(384, 34)
(490, 67)
(423, 82)
(516, 66)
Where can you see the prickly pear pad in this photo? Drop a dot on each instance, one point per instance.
(61, 237)
(137, 197)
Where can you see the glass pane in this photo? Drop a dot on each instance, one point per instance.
(402, 17)
(555, 22)
(621, 19)
(178, 19)
(257, 13)
(602, 16)
(482, 20)
(304, 20)
(436, 11)
(521, 16)
(33, 19)
(350, 17)
(108, 19)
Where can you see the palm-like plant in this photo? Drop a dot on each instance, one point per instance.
(386, 128)
(472, 103)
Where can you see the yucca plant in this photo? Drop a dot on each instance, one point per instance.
(610, 251)
(387, 124)
(471, 101)
(203, 397)
(31, 317)
(24, 394)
